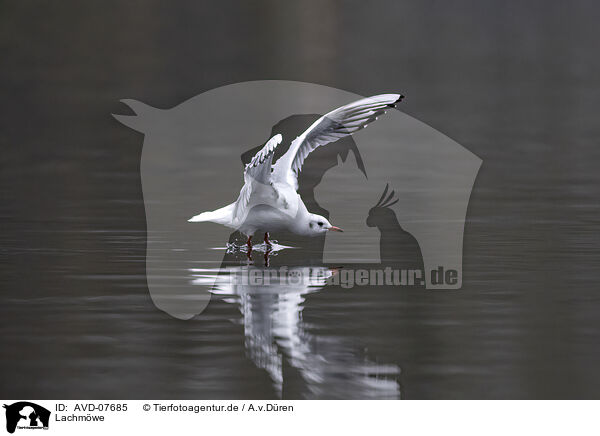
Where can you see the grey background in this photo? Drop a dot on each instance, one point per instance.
(514, 82)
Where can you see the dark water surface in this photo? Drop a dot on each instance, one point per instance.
(518, 85)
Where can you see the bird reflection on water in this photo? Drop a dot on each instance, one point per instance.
(276, 336)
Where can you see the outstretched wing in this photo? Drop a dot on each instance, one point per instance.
(257, 172)
(338, 123)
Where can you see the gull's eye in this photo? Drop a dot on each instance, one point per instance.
(320, 223)
(310, 225)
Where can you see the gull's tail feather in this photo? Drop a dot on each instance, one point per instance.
(219, 216)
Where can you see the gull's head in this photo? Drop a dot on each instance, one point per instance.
(318, 225)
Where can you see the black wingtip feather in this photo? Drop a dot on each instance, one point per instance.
(397, 101)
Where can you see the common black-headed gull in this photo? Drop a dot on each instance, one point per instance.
(268, 201)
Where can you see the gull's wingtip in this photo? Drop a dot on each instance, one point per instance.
(399, 98)
(390, 100)
(275, 140)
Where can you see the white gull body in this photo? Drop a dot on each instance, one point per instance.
(269, 201)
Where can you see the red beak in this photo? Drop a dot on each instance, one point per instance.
(334, 229)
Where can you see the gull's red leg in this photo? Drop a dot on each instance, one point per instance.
(267, 239)
(249, 243)
(268, 250)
